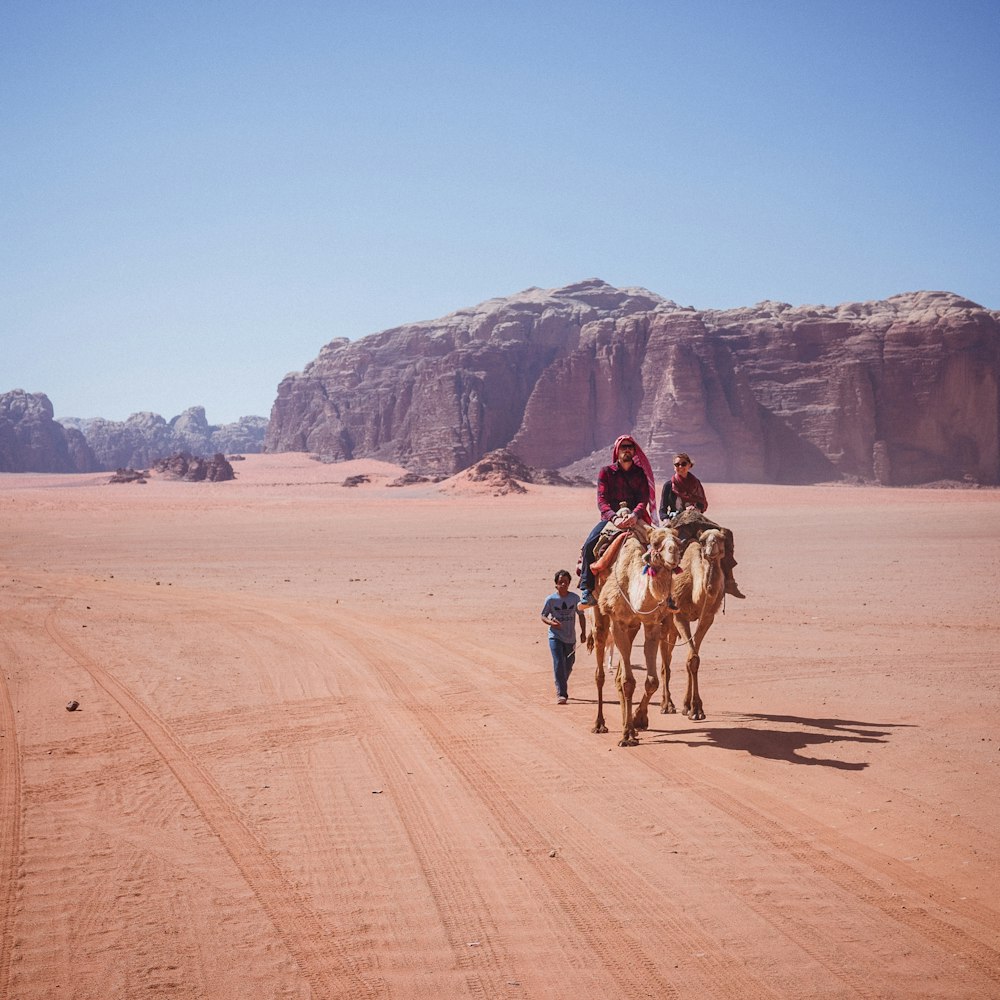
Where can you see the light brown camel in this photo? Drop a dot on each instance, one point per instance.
(698, 591)
(633, 591)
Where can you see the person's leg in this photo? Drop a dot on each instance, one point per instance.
(586, 576)
(558, 650)
(728, 563)
(560, 667)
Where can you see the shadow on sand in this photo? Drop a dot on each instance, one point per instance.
(789, 735)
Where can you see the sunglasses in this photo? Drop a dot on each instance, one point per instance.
(681, 465)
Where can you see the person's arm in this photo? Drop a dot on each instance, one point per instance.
(603, 500)
(641, 507)
(700, 500)
(547, 618)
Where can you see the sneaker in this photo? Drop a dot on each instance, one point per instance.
(586, 599)
(561, 700)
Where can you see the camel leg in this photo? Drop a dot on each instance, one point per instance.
(601, 646)
(625, 680)
(650, 644)
(693, 707)
(668, 638)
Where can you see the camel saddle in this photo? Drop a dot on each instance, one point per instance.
(609, 541)
(610, 533)
(609, 553)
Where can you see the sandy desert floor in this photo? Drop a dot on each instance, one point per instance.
(318, 754)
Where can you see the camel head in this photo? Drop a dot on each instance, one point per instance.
(713, 544)
(664, 552)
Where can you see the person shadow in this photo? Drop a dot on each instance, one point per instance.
(784, 739)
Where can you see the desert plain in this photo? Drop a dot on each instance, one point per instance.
(317, 752)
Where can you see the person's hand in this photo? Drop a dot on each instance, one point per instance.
(625, 520)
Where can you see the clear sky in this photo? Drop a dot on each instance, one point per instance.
(196, 195)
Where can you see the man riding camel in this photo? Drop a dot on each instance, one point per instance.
(627, 481)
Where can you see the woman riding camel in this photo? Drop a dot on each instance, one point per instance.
(683, 504)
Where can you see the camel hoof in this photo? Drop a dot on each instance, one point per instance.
(642, 724)
(668, 709)
(629, 741)
(600, 728)
(695, 714)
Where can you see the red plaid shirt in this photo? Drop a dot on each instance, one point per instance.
(615, 484)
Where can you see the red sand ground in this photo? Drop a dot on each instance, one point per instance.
(318, 752)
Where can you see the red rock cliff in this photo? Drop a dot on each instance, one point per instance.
(901, 391)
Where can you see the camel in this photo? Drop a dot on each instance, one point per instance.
(632, 592)
(698, 591)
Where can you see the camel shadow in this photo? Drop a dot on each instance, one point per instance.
(782, 744)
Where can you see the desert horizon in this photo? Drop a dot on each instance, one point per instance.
(317, 752)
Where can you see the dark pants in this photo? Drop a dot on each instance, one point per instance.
(586, 576)
(563, 658)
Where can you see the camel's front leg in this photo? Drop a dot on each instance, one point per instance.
(693, 707)
(668, 637)
(651, 642)
(600, 635)
(625, 681)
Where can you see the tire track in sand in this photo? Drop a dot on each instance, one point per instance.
(813, 852)
(10, 818)
(330, 973)
(634, 967)
(820, 856)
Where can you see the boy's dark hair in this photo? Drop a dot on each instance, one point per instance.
(562, 572)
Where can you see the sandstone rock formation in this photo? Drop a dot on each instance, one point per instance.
(900, 391)
(31, 441)
(146, 437)
(194, 468)
(129, 476)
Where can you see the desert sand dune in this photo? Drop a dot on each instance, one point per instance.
(318, 755)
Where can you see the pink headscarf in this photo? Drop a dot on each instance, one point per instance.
(643, 463)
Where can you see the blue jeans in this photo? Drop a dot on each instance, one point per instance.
(563, 656)
(586, 576)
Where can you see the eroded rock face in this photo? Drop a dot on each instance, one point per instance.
(31, 441)
(899, 391)
(146, 437)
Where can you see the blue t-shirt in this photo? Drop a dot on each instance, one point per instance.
(563, 609)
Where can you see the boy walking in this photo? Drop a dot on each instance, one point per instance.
(558, 613)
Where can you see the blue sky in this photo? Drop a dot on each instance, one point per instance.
(196, 196)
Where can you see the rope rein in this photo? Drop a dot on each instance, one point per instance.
(624, 594)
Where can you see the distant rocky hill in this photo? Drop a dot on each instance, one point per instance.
(898, 392)
(146, 437)
(32, 441)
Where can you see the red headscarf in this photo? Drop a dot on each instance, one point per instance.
(643, 463)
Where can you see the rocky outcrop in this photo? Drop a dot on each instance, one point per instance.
(31, 441)
(145, 437)
(194, 468)
(129, 476)
(900, 391)
(436, 396)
